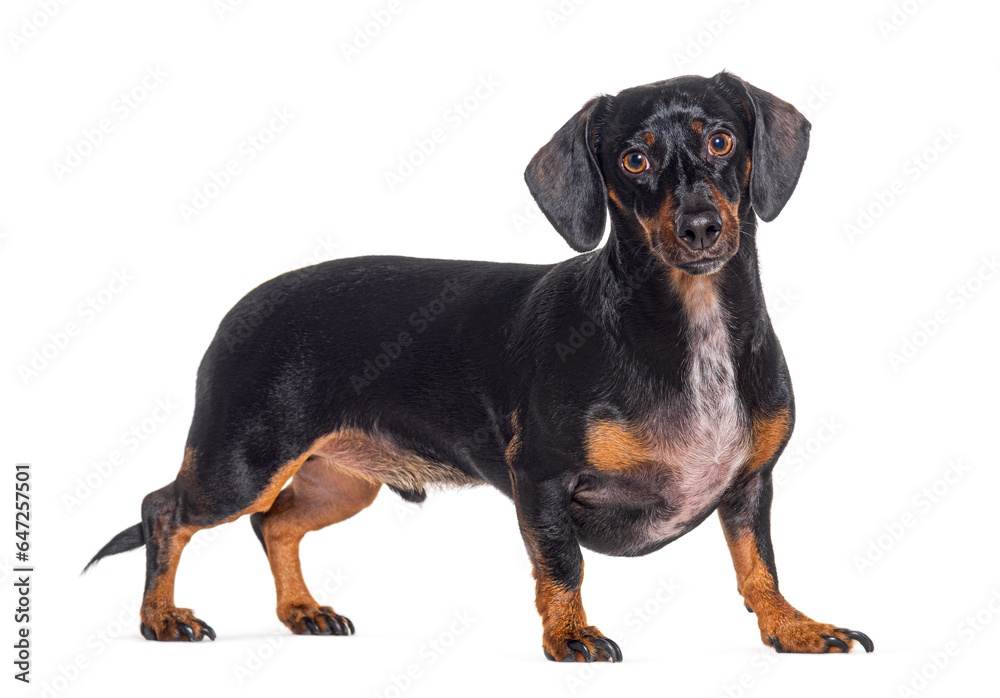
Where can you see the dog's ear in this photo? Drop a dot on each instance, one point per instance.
(565, 179)
(780, 143)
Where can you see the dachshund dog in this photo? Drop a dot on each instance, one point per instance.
(628, 392)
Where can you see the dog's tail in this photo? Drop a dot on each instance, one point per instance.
(129, 539)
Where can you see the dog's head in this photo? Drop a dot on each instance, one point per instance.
(680, 162)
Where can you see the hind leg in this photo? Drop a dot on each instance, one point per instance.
(170, 516)
(165, 539)
(320, 494)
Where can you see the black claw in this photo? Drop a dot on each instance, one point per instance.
(611, 647)
(332, 626)
(747, 606)
(147, 632)
(776, 644)
(188, 631)
(863, 639)
(206, 629)
(311, 626)
(832, 641)
(577, 646)
(548, 656)
(602, 644)
(349, 624)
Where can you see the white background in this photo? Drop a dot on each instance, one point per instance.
(879, 84)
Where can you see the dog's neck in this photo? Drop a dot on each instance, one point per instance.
(630, 291)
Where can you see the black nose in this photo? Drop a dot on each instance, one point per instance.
(699, 231)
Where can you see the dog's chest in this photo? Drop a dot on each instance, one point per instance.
(701, 437)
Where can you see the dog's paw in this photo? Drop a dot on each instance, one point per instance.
(800, 634)
(174, 624)
(315, 620)
(581, 645)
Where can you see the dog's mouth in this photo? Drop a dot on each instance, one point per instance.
(703, 266)
(665, 244)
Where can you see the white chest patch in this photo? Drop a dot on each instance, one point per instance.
(703, 436)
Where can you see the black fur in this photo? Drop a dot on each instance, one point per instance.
(129, 539)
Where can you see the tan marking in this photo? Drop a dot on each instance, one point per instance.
(373, 457)
(776, 617)
(563, 616)
(746, 177)
(729, 238)
(746, 109)
(321, 493)
(613, 195)
(767, 435)
(648, 138)
(160, 598)
(698, 295)
(697, 125)
(564, 619)
(514, 445)
(612, 446)
(661, 227)
(158, 611)
(376, 458)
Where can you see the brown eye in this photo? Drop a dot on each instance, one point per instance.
(635, 162)
(720, 144)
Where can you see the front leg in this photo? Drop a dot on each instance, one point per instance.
(544, 518)
(746, 521)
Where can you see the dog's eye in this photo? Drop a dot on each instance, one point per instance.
(720, 144)
(635, 162)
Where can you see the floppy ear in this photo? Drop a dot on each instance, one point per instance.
(566, 182)
(780, 143)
